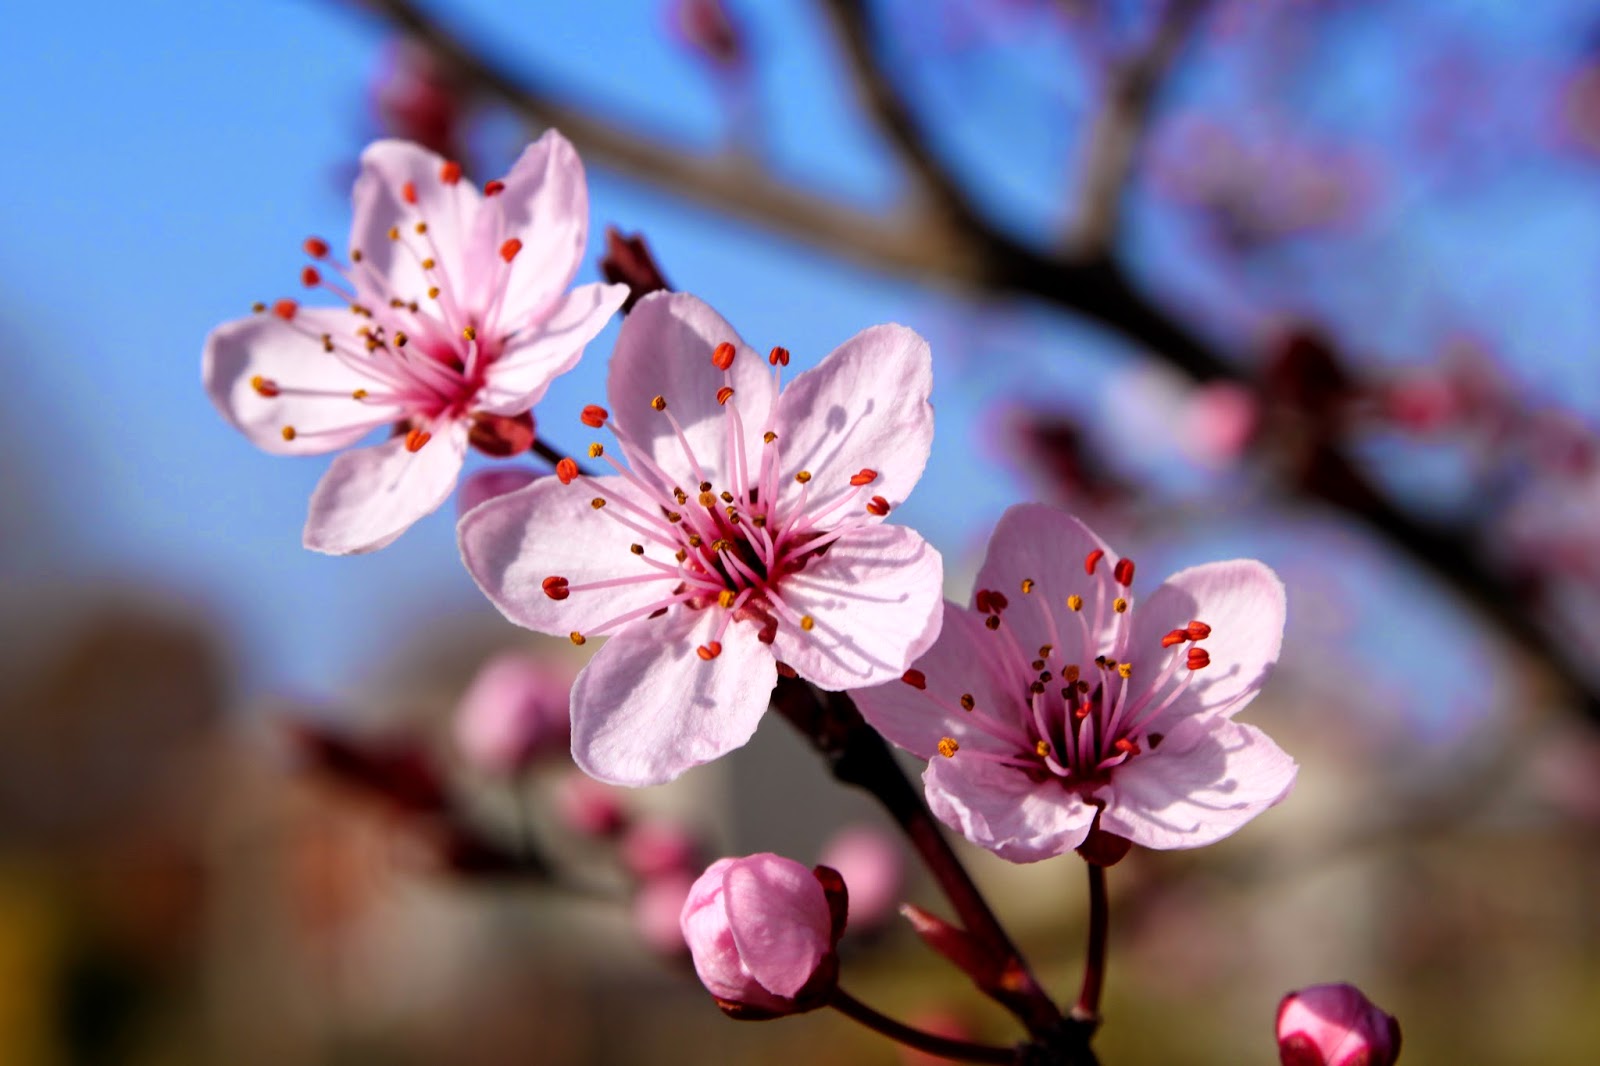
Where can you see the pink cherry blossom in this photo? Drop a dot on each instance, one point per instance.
(1335, 1025)
(1056, 704)
(759, 928)
(874, 867)
(746, 538)
(515, 708)
(456, 316)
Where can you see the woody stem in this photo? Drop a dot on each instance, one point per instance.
(931, 1043)
(1094, 964)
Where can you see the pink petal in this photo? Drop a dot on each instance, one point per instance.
(1004, 810)
(664, 348)
(387, 168)
(1243, 603)
(545, 205)
(1048, 547)
(370, 496)
(545, 350)
(1207, 778)
(510, 544)
(864, 407)
(704, 924)
(876, 599)
(266, 346)
(780, 921)
(965, 659)
(647, 707)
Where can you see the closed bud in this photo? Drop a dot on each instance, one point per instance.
(514, 710)
(1335, 1025)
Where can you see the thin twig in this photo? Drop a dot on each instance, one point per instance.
(942, 1046)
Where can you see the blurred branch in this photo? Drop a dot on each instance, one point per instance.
(947, 244)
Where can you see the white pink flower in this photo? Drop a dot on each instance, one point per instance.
(456, 316)
(744, 537)
(1056, 704)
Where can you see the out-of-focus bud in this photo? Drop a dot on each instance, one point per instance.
(708, 28)
(514, 710)
(399, 773)
(658, 848)
(656, 908)
(417, 99)
(588, 807)
(872, 864)
(1219, 422)
(1335, 1025)
(502, 436)
(494, 481)
(762, 933)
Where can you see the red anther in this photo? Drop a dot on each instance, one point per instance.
(1126, 746)
(1199, 658)
(315, 247)
(285, 309)
(594, 416)
(566, 470)
(722, 356)
(493, 188)
(556, 587)
(509, 250)
(915, 679)
(450, 173)
(709, 651)
(1177, 636)
(408, 192)
(1123, 572)
(264, 386)
(1092, 560)
(1198, 631)
(981, 601)
(779, 356)
(865, 477)
(416, 439)
(310, 278)
(998, 601)
(878, 506)
(724, 394)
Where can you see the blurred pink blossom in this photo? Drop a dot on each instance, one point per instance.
(1335, 1025)
(589, 808)
(658, 847)
(874, 870)
(657, 907)
(514, 710)
(490, 482)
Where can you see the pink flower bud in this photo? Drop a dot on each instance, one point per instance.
(588, 807)
(762, 933)
(1335, 1025)
(873, 866)
(515, 709)
(658, 848)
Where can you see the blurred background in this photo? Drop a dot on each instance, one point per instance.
(1307, 280)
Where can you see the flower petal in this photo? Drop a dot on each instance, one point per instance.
(1002, 809)
(864, 407)
(966, 659)
(291, 357)
(545, 350)
(647, 707)
(1033, 542)
(511, 543)
(545, 206)
(875, 597)
(780, 921)
(370, 496)
(391, 267)
(1243, 603)
(664, 348)
(1208, 777)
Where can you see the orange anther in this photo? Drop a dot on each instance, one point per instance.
(864, 477)
(416, 439)
(722, 356)
(915, 679)
(1199, 659)
(709, 651)
(594, 416)
(509, 249)
(264, 386)
(450, 172)
(779, 356)
(408, 192)
(659, 403)
(948, 747)
(566, 470)
(1092, 560)
(1177, 636)
(556, 587)
(285, 309)
(287, 432)
(1198, 631)
(315, 247)
(1126, 746)
(724, 394)
(878, 506)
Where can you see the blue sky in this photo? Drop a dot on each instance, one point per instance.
(168, 157)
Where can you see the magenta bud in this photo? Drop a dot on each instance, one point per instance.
(1335, 1025)
(490, 482)
(873, 865)
(514, 710)
(761, 932)
(658, 848)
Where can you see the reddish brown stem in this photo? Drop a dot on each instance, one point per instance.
(1094, 964)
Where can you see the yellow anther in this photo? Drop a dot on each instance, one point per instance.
(1075, 602)
(355, 255)
(725, 598)
(680, 555)
(422, 227)
(708, 500)
(1027, 585)
(1045, 650)
(674, 517)
(759, 521)
(470, 333)
(327, 343)
(637, 549)
(287, 432)
(1042, 748)
(803, 476)
(598, 502)
(1125, 670)
(680, 496)
(428, 264)
(596, 450)
(1119, 605)
(948, 747)
(722, 544)
(359, 394)
(807, 623)
(727, 497)
(577, 638)
(258, 307)
(967, 702)
(394, 233)
(694, 540)
(433, 292)
(659, 403)
(1072, 673)
(400, 339)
